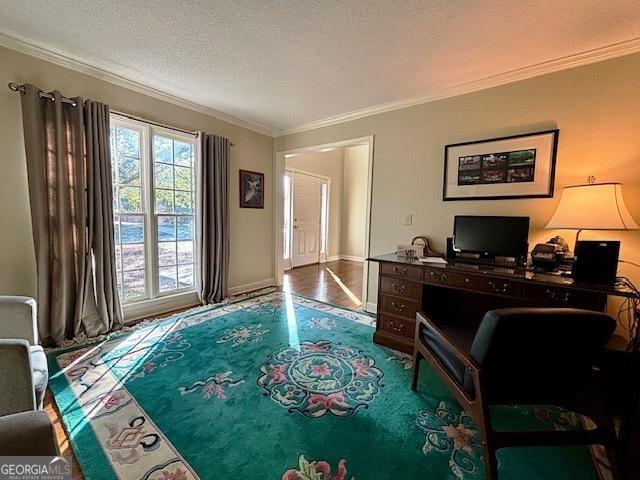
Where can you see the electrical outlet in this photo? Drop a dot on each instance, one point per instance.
(408, 219)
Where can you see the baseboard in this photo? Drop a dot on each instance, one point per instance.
(371, 307)
(352, 258)
(248, 287)
(335, 258)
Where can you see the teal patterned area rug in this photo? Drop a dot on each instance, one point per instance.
(279, 387)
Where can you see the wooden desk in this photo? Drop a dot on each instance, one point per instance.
(467, 292)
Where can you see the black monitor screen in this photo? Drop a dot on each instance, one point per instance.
(495, 236)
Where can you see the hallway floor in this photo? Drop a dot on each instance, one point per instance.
(338, 282)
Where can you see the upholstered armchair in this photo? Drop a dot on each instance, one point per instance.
(531, 356)
(28, 433)
(23, 364)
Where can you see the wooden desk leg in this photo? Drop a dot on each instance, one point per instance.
(416, 370)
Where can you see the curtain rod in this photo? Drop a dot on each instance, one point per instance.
(20, 88)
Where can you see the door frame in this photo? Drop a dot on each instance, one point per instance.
(278, 206)
(322, 256)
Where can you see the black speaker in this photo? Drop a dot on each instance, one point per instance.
(451, 255)
(596, 261)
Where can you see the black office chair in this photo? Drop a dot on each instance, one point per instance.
(532, 356)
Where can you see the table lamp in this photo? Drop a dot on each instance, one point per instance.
(595, 206)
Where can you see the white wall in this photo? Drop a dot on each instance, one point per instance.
(251, 230)
(596, 107)
(354, 201)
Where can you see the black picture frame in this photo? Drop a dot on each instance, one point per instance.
(251, 189)
(506, 173)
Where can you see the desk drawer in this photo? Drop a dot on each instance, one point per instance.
(400, 270)
(563, 297)
(441, 277)
(400, 288)
(498, 286)
(397, 325)
(398, 306)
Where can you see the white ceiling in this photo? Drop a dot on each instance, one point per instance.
(282, 64)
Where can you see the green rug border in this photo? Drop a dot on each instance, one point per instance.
(65, 399)
(362, 312)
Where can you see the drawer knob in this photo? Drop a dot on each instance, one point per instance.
(442, 278)
(399, 289)
(498, 289)
(398, 307)
(400, 272)
(395, 327)
(557, 297)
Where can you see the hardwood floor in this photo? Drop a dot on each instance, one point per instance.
(338, 282)
(61, 435)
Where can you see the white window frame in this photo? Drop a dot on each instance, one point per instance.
(153, 301)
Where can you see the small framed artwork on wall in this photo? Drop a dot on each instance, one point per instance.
(520, 166)
(251, 189)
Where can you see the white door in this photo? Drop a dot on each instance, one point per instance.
(306, 219)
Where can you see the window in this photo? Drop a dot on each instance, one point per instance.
(154, 207)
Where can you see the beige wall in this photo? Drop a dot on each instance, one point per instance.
(596, 108)
(328, 164)
(354, 200)
(251, 229)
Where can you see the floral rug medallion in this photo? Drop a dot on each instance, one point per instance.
(321, 377)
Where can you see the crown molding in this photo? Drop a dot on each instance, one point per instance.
(21, 46)
(571, 61)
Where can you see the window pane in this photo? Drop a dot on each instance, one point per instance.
(162, 149)
(185, 252)
(164, 201)
(184, 202)
(185, 276)
(183, 178)
(130, 199)
(182, 153)
(166, 228)
(167, 279)
(185, 228)
(132, 256)
(133, 284)
(166, 253)
(163, 176)
(131, 228)
(127, 142)
(129, 171)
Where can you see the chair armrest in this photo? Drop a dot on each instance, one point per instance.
(17, 393)
(471, 365)
(27, 433)
(468, 361)
(18, 318)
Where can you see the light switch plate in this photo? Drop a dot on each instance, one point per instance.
(408, 219)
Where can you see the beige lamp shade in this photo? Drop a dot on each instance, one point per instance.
(592, 207)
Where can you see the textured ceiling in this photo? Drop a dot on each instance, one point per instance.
(285, 63)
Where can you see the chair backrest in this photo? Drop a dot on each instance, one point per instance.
(539, 355)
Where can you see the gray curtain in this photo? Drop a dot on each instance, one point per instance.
(102, 311)
(64, 239)
(213, 218)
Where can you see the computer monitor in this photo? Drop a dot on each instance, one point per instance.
(492, 237)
